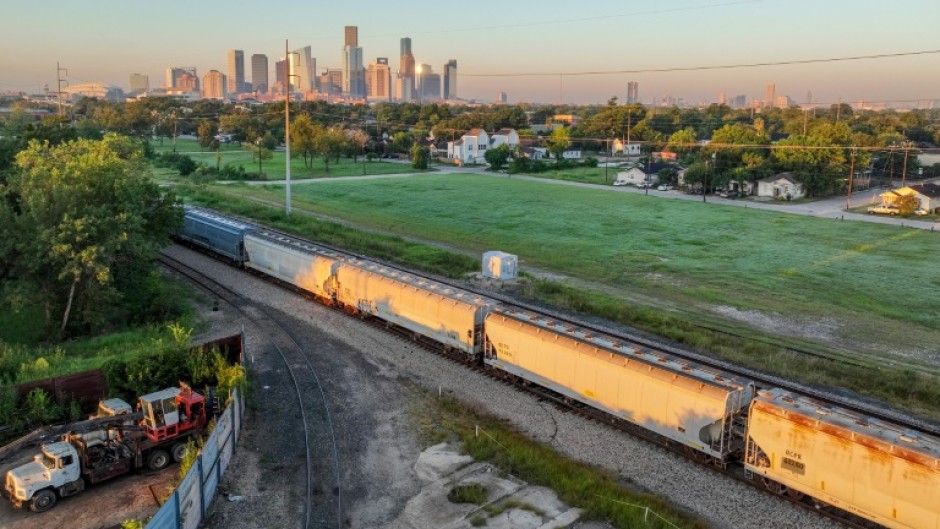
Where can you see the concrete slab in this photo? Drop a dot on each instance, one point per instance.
(439, 461)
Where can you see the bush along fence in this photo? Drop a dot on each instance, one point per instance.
(189, 503)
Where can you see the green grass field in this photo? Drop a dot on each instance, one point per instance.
(864, 281)
(274, 169)
(587, 175)
(740, 284)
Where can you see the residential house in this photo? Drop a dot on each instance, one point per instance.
(504, 137)
(535, 153)
(472, 146)
(572, 153)
(626, 148)
(646, 174)
(927, 195)
(782, 185)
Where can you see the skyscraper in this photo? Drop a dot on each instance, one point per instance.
(215, 84)
(420, 71)
(173, 74)
(352, 37)
(280, 73)
(633, 93)
(302, 68)
(406, 72)
(259, 73)
(379, 80)
(771, 95)
(187, 82)
(450, 80)
(236, 71)
(139, 83)
(502, 98)
(430, 84)
(354, 73)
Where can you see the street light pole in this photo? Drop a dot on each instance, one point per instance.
(848, 199)
(287, 123)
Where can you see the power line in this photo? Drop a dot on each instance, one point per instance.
(706, 68)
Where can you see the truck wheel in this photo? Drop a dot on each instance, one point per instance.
(178, 451)
(42, 501)
(158, 459)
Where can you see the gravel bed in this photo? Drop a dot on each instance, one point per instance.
(381, 479)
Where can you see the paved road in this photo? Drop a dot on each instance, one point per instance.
(831, 208)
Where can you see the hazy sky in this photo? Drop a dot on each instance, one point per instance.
(105, 40)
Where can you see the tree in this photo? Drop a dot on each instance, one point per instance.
(498, 156)
(356, 142)
(558, 142)
(303, 138)
(682, 140)
(330, 144)
(80, 226)
(907, 204)
(419, 157)
(206, 132)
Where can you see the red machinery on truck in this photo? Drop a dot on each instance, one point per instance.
(110, 446)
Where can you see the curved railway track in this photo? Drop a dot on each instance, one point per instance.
(648, 344)
(567, 405)
(299, 367)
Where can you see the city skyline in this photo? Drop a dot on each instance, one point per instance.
(593, 41)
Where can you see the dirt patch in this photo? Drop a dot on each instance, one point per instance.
(819, 328)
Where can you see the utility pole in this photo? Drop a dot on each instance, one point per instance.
(804, 121)
(287, 122)
(59, 81)
(838, 110)
(904, 170)
(848, 199)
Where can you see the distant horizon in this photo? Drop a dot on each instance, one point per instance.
(111, 42)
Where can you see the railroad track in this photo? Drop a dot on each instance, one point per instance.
(648, 343)
(299, 367)
(560, 402)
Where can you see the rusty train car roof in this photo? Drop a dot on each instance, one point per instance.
(658, 359)
(851, 426)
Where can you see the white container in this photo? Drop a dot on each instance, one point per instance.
(500, 265)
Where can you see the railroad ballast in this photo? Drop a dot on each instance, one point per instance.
(715, 416)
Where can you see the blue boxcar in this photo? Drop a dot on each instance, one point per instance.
(220, 234)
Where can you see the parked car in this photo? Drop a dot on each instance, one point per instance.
(921, 212)
(664, 187)
(643, 185)
(883, 210)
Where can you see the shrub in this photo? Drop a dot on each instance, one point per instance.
(475, 493)
(40, 408)
(589, 162)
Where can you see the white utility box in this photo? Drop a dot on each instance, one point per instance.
(500, 265)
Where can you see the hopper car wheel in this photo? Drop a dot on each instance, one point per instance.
(158, 459)
(774, 487)
(42, 501)
(178, 451)
(795, 494)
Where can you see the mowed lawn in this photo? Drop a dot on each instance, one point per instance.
(869, 284)
(274, 169)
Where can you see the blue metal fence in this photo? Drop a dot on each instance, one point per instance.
(190, 501)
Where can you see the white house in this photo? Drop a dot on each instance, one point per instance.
(572, 153)
(783, 185)
(504, 137)
(472, 146)
(627, 148)
(648, 174)
(535, 153)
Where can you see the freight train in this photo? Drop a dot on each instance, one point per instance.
(794, 445)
